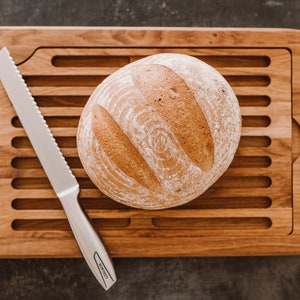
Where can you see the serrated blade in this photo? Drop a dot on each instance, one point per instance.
(60, 176)
(50, 156)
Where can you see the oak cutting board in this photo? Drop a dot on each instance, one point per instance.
(253, 209)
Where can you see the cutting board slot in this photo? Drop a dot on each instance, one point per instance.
(255, 141)
(36, 204)
(213, 223)
(254, 101)
(251, 162)
(256, 121)
(34, 163)
(65, 121)
(31, 183)
(62, 141)
(61, 101)
(247, 80)
(86, 61)
(54, 204)
(66, 81)
(85, 183)
(296, 140)
(228, 61)
(66, 141)
(93, 81)
(243, 182)
(101, 61)
(43, 183)
(236, 61)
(26, 163)
(63, 224)
(204, 202)
(80, 101)
(21, 142)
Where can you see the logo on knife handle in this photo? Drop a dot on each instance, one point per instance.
(102, 269)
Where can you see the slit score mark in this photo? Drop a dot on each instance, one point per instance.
(122, 152)
(163, 90)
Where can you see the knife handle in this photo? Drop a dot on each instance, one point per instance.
(88, 240)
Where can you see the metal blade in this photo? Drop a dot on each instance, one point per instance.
(39, 134)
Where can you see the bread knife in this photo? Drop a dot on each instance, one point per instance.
(60, 175)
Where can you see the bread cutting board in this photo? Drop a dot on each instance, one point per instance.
(253, 209)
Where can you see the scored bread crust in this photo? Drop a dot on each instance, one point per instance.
(160, 131)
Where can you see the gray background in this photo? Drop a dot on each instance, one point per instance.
(153, 278)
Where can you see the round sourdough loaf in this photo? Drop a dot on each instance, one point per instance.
(160, 131)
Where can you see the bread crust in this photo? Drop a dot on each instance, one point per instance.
(160, 131)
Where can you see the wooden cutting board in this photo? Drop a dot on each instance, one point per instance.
(253, 209)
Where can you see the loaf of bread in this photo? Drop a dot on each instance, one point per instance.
(160, 131)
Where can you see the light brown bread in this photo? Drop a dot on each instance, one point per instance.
(160, 131)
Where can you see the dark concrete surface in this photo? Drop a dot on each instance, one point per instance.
(153, 278)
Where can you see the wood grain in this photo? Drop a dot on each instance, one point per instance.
(254, 209)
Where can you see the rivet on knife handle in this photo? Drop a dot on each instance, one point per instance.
(60, 175)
